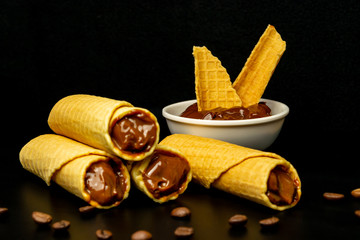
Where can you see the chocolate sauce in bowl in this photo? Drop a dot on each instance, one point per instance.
(237, 113)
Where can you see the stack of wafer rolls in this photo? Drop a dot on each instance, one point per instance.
(95, 137)
(262, 177)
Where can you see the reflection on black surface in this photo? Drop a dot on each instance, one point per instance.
(270, 230)
(4, 217)
(61, 234)
(312, 218)
(237, 232)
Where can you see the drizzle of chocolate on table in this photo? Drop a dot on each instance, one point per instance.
(237, 113)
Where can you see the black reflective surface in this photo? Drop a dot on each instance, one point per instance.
(322, 168)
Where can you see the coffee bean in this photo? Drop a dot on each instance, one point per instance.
(141, 235)
(41, 218)
(3, 211)
(87, 210)
(357, 213)
(356, 193)
(184, 232)
(238, 220)
(333, 196)
(102, 234)
(181, 212)
(61, 225)
(269, 222)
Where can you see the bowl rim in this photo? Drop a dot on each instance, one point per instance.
(225, 123)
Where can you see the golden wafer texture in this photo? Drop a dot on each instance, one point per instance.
(238, 170)
(138, 168)
(259, 67)
(89, 119)
(212, 83)
(65, 161)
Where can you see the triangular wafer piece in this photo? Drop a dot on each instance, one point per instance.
(259, 67)
(212, 82)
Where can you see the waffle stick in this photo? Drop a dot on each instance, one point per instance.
(232, 168)
(259, 67)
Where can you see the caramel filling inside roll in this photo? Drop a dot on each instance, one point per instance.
(135, 132)
(282, 188)
(165, 174)
(105, 182)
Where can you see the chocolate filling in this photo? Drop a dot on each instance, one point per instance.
(237, 113)
(135, 132)
(282, 188)
(165, 174)
(105, 182)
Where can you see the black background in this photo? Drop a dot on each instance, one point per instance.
(141, 51)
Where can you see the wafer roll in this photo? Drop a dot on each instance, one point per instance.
(262, 177)
(114, 126)
(75, 167)
(164, 175)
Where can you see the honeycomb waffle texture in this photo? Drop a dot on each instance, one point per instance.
(64, 161)
(259, 67)
(212, 83)
(89, 119)
(238, 170)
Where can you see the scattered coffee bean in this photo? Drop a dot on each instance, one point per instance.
(269, 222)
(3, 211)
(61, 225)
(238, 220)
(356, 193)
(333, 196)
(184, 232)
(41, 218)
(181, 212)
(141, 235)
(357, 213)
(87, 210)
(102, 234)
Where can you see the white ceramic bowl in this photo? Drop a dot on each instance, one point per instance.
(258, 133)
